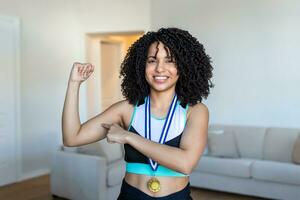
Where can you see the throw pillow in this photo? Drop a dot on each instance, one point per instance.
(91, 149)
(223, 145)
(215, 131)
(69, 149)
(278, 144)
(296, 151)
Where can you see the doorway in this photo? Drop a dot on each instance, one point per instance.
(106, 52)
(110, 83)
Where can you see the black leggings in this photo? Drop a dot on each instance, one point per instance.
(129, 192)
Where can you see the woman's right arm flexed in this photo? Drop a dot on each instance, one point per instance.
(73, 132)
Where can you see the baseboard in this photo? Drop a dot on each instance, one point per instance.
(34, 174)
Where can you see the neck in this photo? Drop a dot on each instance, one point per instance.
(161, 99)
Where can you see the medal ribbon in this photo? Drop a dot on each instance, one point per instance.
(166, 127)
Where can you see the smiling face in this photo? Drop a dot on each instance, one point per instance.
(161, 70)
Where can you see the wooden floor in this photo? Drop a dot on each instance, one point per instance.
(39, 189)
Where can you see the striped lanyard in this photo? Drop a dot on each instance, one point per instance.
(166, 127)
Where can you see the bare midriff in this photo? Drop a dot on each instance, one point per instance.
(168, 184)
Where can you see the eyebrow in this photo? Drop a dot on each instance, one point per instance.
(169, 57)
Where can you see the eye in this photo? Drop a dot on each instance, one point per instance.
(151, 61)
(170, 61)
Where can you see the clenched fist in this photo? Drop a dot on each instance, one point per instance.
(115, 133)
(81, 71)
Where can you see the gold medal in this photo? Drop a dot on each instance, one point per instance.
(153, 184)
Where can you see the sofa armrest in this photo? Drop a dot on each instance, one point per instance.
(78, 176)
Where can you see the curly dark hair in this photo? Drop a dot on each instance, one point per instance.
(193, 65)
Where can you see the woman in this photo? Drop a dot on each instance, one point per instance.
(162, 123)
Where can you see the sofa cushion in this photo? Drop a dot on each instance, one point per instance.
(225, 166)
(115, 172)
(220, 131)
(250, 139)
(279, 142)
(296, 151)
(276, 171)
(112, 152)
(223, 145)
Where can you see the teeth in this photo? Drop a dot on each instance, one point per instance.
(161, 77)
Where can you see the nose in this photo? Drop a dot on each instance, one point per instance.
(159, 66)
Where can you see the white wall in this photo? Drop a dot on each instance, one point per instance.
(52, 38)
(254, 46)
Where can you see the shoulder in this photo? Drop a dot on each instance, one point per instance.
(122, 107)
(196, 110)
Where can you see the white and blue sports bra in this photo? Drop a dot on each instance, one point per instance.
(138, 163)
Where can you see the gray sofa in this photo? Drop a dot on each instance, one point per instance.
(240, 159)
(263, 166)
